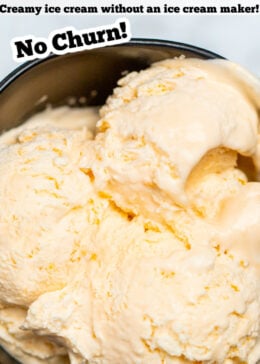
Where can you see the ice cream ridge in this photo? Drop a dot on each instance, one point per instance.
(131, 235)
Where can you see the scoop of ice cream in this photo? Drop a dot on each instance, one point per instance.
(163, 121)
(146, 298)
(48, 207)
(43, 191)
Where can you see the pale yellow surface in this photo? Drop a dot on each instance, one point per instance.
(138, 243)
(162, 121)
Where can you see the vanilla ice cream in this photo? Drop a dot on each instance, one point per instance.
(164, 120)
(134, 239)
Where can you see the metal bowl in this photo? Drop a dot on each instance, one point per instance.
(77, 79)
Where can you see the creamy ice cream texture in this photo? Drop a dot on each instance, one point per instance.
(136, 240)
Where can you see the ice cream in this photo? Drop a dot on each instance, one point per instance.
(136, 241)
(164, 120)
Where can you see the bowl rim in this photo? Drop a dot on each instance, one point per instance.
(20, 70)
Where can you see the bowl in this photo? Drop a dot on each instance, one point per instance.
(79, 79)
